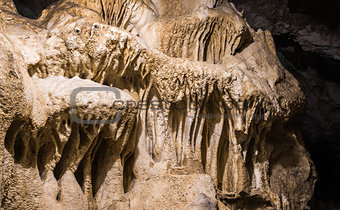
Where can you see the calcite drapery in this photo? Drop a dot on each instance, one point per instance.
(216, 128)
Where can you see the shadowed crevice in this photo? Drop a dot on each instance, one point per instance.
(32, 8)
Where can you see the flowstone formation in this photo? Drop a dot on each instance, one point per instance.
(205, 116)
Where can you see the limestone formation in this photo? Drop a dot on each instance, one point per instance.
(204, 114)
(307, 39)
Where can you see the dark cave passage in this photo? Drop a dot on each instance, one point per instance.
(32, 8)
(326, 11)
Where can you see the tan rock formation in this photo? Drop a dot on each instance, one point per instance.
(206, 115)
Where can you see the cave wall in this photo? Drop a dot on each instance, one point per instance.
(218, 128)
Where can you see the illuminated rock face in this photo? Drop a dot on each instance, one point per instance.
(204, 114)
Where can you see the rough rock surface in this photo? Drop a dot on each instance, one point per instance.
(207, 119)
